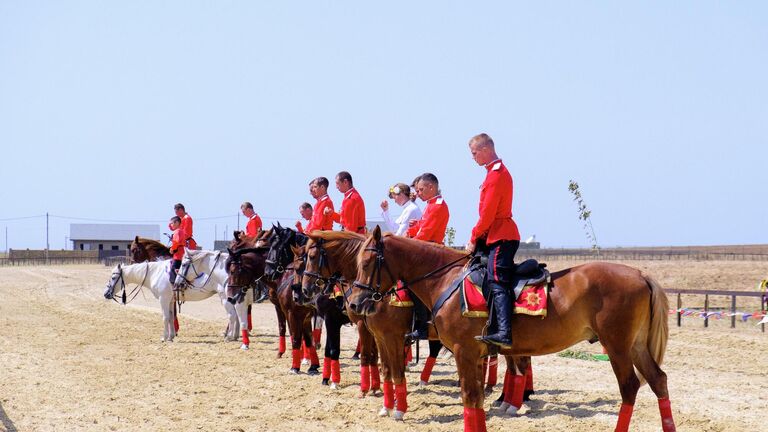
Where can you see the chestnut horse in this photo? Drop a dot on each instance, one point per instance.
(331, 255)
(246, 266)
(619, 305)
(144, 249)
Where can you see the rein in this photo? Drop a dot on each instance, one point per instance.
(135, 292)
(376, 294)
(192, 264)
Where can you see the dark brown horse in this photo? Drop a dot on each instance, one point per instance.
(279, 281)
(619, 305)
(244, 266)
(144, 249)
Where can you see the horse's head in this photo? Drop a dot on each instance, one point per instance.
(244, 267)
(280, 255)
(138, 251)
(317, 274)
(115, 281)
(373, 276)
(183, 276)
(298, 265)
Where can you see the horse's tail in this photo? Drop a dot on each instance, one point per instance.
(658, 333)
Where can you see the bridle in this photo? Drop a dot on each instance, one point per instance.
(235, 258)
(375, 290)
(192, 264)
(320, 281)
(134, 292)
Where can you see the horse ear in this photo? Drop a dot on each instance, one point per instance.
(297, 250)
(136, 239)
(230, 251)
(119, 266)
(278, 224)
(236, 234)
(377, 233)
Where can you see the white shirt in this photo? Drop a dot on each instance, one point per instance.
(410, 212)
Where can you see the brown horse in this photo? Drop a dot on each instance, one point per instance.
(335, 252)
(243, 274)
(623, 308)
(144, 249)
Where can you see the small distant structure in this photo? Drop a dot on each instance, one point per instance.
(530, 243)
(221, 245)
(109, 239)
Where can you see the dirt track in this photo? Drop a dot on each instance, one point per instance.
(73, 361)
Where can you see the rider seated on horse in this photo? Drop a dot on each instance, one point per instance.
(431, 227)
(499, 232)
(178, 240)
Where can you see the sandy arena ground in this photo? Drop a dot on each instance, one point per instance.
(74, 361)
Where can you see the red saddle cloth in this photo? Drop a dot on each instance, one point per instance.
(401, 297)
(532, 300)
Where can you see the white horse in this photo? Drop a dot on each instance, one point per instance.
(203, 268)
(155, 276)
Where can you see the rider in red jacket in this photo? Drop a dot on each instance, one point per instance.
(352, 216)
(498, 231)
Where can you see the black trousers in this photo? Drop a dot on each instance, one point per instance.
(174, 269)
(501, 256)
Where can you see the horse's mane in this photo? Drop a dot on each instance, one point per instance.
(341, 238)
(151, 244)
(427, 251)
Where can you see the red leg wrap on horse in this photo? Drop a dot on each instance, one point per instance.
(509, 387)
(316, 334)
(625, 414)
(305, 351)
(176, 323)
(327, 367)
(667, 422)
(529, 377)
(474, 420)
(365, 378)
(375, 377)
(296, 363)
(493, 371)
(401, 397)
(357, 350)
(313, 360)
(246, 340)
(335, 371)
(389, 395)
(281, 348)
(250, 322)
(427, 371)
(517, 392)
(408, 354)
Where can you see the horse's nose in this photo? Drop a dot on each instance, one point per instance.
(355, 307)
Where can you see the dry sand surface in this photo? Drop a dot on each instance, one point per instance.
(74, 361)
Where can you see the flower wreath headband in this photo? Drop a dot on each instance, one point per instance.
(395, 190)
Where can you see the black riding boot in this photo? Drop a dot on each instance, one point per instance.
(421, 332)
(501, 311)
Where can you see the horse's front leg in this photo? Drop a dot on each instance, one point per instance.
(513, 393)
(470, 366)
(367, 358)
(240, 320)
(166, 305)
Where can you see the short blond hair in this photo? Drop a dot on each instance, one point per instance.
(482, 140)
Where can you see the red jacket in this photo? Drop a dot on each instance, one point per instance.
(495, 223)
(352, 216)
(433, 222)
(321, 221)
(253, 226)
(178, 239)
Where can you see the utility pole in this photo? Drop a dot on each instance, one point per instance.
(6, 239)
(238, 221)
(47, 245)
(215, 233)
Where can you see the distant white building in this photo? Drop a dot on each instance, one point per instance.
(114, 237)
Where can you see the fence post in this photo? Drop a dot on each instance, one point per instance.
(733, 311)
(679, 310)
(706, 310)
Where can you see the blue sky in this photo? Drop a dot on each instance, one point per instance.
(118, 110)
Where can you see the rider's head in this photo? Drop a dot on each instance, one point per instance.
(175, 222)
(343, 181)
(305, 209)
(247, 209)
(482, 149)
(318, 187)
(179, 210)
(427, 187)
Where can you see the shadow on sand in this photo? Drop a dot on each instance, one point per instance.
(7, 423)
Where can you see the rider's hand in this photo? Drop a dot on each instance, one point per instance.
(470, 247)
(327, 211)
(298, 225)
(385, 205)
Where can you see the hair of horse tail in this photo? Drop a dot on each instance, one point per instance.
(658, 334)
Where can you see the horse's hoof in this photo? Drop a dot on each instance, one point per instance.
(356, 356)
(280, 354)
(504, 406)
(313, 371)
(304, 362)
(325, 381)
(496, 403)
(295, 371)
(244, 347)
(385, 412)
(398, 416)
(376, 392)
(334, 386)
(422, 385)
(362, 394)
(488, 390)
